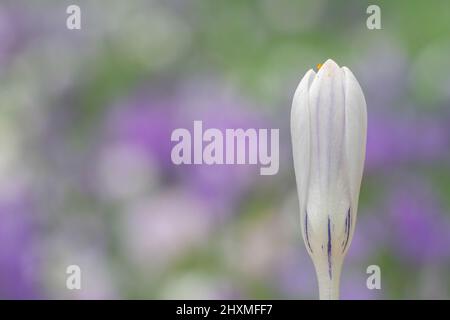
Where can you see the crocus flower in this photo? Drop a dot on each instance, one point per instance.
(328, 128)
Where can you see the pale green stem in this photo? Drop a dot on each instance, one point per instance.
(328, 286)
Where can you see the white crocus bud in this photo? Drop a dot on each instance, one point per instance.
(328, 128)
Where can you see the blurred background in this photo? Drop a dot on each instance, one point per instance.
(85, 171)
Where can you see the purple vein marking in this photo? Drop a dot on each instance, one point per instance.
(347, 228)
(306, 231)
(329, 248)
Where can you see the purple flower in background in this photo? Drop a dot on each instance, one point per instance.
(144, 122)
(420, 228)
(17, 262)
(295, 276)
(147, 120)
(393, 140)
(220, 185)
(14, 32)
(369, 237)
(7, 34)
(218, 106)
(397, 132)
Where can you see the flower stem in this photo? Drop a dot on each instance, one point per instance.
(328, 285)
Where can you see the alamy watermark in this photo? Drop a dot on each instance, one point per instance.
(374, 280)
(73, 21)
(234, 146)
(374, 20)
(73, 280)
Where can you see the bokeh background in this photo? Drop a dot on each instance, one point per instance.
(85, 170)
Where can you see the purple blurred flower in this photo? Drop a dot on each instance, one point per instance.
(220, 184)
(147, 121)
(370, 235)
(17, 262)
(296, 276)
(144, 122)
(393, 140)
(7, 34)
(420, 228)
(14, 32)
(397, 132)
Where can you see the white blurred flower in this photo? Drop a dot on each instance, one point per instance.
(328, 127)
(158, 230)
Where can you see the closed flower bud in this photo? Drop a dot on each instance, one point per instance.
(328, 128)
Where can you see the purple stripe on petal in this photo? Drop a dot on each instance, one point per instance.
(306, 231)
(347, 228)
(329, 248)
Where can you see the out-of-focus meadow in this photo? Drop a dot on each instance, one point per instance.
(85, 171)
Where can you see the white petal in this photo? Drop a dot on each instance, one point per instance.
(355, 141)
(300, 133)
(327, 187)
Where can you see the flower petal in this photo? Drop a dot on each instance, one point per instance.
(355, 136)
(300, 133)
(327, 185)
